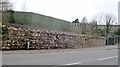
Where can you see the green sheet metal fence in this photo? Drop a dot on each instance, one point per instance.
(41, 21)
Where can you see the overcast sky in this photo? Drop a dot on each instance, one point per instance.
(68, 9)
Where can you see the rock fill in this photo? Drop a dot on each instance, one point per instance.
(16, 38)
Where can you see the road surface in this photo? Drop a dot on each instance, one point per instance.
(88, 56)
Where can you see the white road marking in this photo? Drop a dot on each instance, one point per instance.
(108, 58)
(74, 63)
(97, 59)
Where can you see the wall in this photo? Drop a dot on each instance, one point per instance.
(16, 38)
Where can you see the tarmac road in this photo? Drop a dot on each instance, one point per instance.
(89, 56)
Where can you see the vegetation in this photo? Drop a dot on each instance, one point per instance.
(10, 16)
(117, 32)
(6, 7)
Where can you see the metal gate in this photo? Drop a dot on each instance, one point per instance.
(112, 40)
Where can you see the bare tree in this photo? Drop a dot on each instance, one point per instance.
(83, 25)
(94, 27)
(98, 18)
(5, 5)
(95, 22)
(109, 20)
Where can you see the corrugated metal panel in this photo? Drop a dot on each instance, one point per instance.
(41, 21)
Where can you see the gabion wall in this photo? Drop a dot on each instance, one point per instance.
(15, 38)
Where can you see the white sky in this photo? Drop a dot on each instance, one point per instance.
(68, 9)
